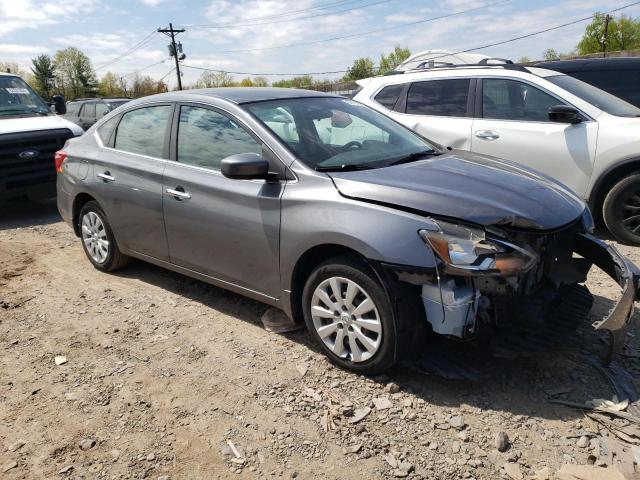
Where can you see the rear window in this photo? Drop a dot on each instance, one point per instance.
(598, 98)
(106, 129)
(444, 98)
(388, 96)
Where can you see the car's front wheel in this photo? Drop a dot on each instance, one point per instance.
(349, 314)
(98, 241)
(621, 210)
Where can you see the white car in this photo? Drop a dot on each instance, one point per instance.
(567, 129)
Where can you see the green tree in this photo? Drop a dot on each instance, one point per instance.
(622, 34)
(75, 76)
(361, 68)
(295, 82)
(109, 86)
(260, 82)
(391, 61)
(43, 74)
(524, 59)
(550, 54)
(626, 35)
(246, 82)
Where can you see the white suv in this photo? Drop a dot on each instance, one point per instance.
(580, 135)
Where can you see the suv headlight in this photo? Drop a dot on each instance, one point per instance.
(467, 251)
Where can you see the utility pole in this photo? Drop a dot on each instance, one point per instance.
(605, 37)
(173, 49)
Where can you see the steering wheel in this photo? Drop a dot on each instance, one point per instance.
(352, 144)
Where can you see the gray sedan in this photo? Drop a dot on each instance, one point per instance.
(375, 237)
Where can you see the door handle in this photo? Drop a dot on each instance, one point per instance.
(487, 135)
(106, 176)
(178, 193)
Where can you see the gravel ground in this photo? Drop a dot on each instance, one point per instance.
(149, 374)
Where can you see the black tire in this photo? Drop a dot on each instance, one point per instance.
(616, 210)
(114, 258)
(356, 270)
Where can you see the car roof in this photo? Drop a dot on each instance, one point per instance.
(585, 64)
(238, 95)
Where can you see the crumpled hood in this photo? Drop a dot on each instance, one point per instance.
(30, 124)
(467, 186)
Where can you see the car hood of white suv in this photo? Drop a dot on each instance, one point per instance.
(30, 124)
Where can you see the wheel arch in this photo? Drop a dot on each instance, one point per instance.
(78, 202)
(307, 262)
(607, 180)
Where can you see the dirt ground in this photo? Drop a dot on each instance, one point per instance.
(170, 378)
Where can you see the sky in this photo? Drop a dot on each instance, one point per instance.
(263, 36)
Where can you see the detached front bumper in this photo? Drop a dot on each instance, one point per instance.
(625, 273)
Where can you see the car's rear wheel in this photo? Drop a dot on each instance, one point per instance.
(349, 314)
(98, 241)
(621, 210)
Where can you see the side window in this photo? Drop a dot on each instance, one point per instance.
(444, 98)
(89, 110)
(106, 129)
(621, 83)
(73, 108)
(513, 100)
(388, 96)
(143, 131)
(205, 137)
(101, 110)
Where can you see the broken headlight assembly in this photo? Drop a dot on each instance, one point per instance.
(466, 250)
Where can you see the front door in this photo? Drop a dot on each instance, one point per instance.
(515, 125)
(223, 228)
(128, 178)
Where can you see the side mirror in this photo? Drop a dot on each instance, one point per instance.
(564, 114)
(245, 166)
(59, 104)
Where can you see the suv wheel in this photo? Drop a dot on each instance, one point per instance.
(621, 210)
(98, 241)
(348, 313)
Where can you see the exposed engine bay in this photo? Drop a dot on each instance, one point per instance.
(513, 279)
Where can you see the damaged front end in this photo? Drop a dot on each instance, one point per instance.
(528, 283)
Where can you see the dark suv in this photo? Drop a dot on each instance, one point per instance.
(620, 76)
(87, 111)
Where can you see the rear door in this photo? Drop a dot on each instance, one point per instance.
(439, 109)
(128, 177)
(223, 228)
(515, 125)
(87, 115)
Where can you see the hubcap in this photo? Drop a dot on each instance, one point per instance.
(346, 319)
(94, 237)
(631, 211)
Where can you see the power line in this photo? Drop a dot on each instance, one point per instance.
(286, 20)
(263, 74)
(143, 68)
(137, 46)
(556, 27)
(361, 34)
(288, 14)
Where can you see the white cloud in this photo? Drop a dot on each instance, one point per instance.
(27, 14)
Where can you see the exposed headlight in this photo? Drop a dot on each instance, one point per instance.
(466, 250)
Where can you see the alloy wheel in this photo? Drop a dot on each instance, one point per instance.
(630, 211)
(94, 237)
(346, 319)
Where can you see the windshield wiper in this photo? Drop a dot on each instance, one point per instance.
(346, 167)
(412, 157)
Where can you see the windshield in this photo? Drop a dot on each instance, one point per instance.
(16, 97)
(599, 98)
(339, 134)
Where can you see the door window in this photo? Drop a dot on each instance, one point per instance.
(73, 108)
(444, 98)
(513, 100)
(101, 110)
(106, 129)
(89, 110)
(205, 137)
(143, 131)
(388, 96)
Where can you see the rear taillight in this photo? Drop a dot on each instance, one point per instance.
(59, 159)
